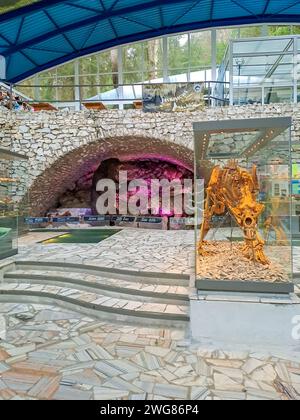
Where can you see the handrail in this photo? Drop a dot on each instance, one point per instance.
(121, 85)
(110, 94)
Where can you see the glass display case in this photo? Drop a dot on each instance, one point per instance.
(12, 178)
(243, 242)
(296, 196)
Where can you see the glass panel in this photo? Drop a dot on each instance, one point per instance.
(129, 78)
(189, 56)
(181, 75)
(88, 90)
(295, 30)
(96, 84)
(296, 202)
(178, 51)
(12, 182)
(66, 70)
(250, 32)
(149, 76)
(27, 90)
(223, 38)
(230, 145)
(200, 50)
(268, 67)
(133, 57)
(153, 56)
(275, 95)
(200, 76)
(247, 96)
(280, 30)
(106, 62)
(244, 243)
(65, 89)
(47, 90)
(88, 65)
(263, 46)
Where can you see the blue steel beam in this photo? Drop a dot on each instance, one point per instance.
(246, 9)
(19, 30)
(283, 9)
(43, 4)
(266, 6)
(54, 23)
(110, 21)
(110, 13)
(85, 41)
(114, 4)
(186, 11)
(21, 52)
(151, 34)
(129, 19)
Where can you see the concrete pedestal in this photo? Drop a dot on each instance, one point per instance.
(258, 322)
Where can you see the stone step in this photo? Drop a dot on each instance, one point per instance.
(98, 304)
(107, 286)
(144, 277)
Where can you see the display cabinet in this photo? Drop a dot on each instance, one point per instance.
(243, 240)
(12, 174)
(296, 196)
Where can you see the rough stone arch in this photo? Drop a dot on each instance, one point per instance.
(62, 174)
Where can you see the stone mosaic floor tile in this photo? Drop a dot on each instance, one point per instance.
(135, 245)
(61, 354)
(125, 362)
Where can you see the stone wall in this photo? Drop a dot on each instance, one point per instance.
(63, 146)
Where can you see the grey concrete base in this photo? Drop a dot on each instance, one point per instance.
(244, 286)
(8, 254)
(256, 324)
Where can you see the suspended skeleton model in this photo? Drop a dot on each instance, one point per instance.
(234, 189)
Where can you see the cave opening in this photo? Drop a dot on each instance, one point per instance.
(83, 194)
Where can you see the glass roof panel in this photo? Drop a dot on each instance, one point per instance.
(264, 67)
(270, 45)
(265, 60)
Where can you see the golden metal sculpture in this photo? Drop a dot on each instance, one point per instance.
(234, 189)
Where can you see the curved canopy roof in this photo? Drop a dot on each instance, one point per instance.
(47, 33)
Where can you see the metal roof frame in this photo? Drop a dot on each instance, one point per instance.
(62, 30)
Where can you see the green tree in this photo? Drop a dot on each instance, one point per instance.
(7, 5)
(279, 30)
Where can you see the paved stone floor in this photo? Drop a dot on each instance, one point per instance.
(129, 249)
(98, 298)
(59, 354)
(146, 250)
(53, 353)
